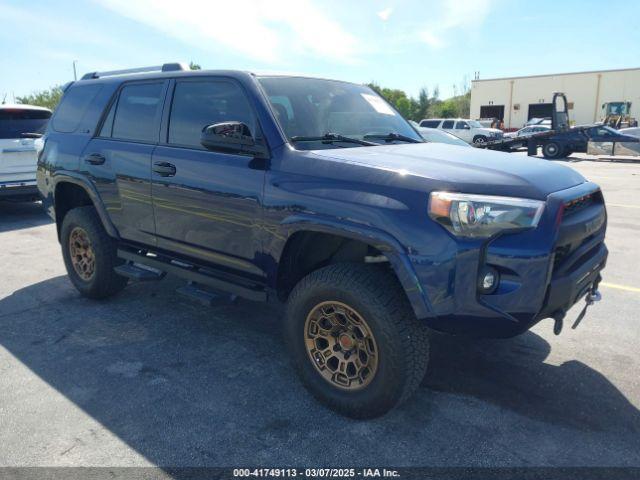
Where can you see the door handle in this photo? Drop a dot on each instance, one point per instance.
(164, 169)
(95, 159)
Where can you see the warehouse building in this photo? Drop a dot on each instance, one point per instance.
(591, 95)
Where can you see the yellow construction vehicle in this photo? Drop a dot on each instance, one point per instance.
(618, 115)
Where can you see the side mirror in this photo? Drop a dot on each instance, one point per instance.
(232, 137)
(467, 127)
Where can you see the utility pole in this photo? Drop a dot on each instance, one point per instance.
(75, 74)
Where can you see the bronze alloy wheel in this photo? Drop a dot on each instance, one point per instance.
(341, 345)
(81, 252)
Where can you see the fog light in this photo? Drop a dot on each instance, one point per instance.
(488, 280)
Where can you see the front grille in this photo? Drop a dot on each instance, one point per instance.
(574, 238)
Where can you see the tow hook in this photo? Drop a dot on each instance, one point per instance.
(592, 297)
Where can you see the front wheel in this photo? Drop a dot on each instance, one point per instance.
(354, 339)
(479, 139)
(90, 254)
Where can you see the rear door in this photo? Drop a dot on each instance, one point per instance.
(18, 156)
(119, 159)
(207, 204)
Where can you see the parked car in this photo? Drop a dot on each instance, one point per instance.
(633, 131)
(524, 133)
(546, 122)
(471, 131)
(315, 194)
(20, 127)
(440, 136)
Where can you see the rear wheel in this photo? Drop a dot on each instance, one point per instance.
(553, 150)
(354, 339)
(90, 254)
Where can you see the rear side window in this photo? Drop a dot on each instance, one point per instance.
(73, 107)
(198, 104)
(430, 123)
(447, 124)
(107, 126)
(16, 122)
(138, 112)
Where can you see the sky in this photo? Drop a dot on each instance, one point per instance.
(405, 44)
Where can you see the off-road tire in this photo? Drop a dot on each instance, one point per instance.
(402, 340)
(104, 282)
(553, 150)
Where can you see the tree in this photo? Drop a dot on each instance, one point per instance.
(397, 98)
(446, 109)
(44, 98)
(194, 66)
(426, 106)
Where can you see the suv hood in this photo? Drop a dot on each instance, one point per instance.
(431, 166)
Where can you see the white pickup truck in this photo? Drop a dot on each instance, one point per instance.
(471, 131)
(21, 127)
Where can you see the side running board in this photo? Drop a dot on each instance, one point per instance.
(193, 273)
(139, 273)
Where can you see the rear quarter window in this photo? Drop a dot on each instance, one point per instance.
(430, 123)
(73, 107)
(14, 123)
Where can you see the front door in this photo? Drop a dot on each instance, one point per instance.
(463, 130)
(119, 159)
(448, 125)
(207, 204)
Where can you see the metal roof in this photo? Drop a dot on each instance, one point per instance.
(555, 74)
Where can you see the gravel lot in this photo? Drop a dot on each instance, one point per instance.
(151, 378)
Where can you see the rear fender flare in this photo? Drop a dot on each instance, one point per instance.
(81, 181)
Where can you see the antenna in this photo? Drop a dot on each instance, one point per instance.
(75, 74)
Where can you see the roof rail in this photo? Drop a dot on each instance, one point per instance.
(167, 67)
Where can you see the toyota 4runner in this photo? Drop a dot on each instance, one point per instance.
(316, 194)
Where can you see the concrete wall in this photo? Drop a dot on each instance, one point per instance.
(588, 91)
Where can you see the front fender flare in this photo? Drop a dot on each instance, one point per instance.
(386, 243)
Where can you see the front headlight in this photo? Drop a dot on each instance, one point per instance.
(482, 216)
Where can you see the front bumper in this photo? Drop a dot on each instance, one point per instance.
(543, 271)
(25, 188)
(565, 290)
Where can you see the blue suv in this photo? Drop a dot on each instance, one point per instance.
(318, 195)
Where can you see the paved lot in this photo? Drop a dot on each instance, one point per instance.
(151, 378)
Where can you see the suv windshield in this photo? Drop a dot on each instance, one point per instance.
(14, 123)
(474, 124)
(308, 109)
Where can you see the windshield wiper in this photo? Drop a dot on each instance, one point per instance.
(332, 137)
(389, 137)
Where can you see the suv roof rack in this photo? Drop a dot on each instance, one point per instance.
(167, 67)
